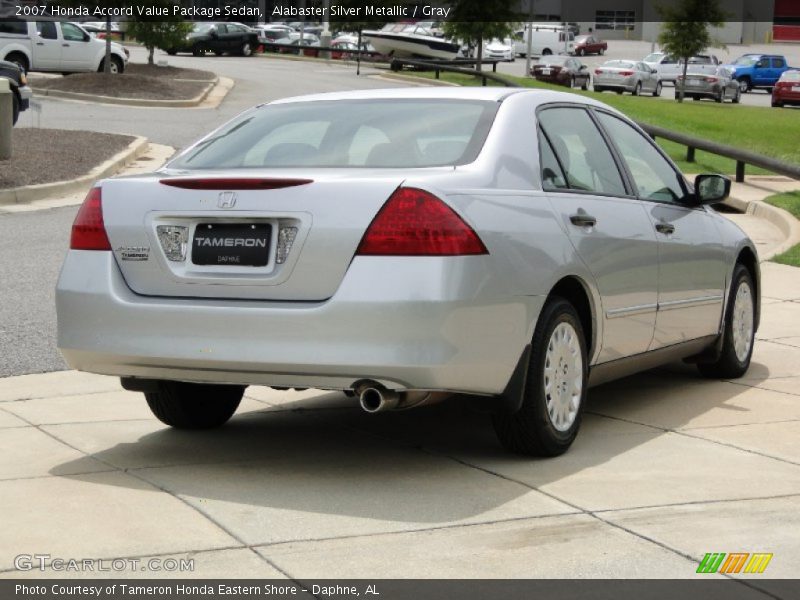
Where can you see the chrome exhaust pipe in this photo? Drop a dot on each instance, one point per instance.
(377, 399)
(373, 397)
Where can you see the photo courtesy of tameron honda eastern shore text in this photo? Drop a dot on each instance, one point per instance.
(407, 245)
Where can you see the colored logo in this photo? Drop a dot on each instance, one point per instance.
(735, 562)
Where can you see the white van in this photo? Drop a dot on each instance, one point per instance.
(546, 39)
(56, 46)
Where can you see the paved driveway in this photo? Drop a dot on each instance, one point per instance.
(668, 466)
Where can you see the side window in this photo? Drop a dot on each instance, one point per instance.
(222, 28)
(16, 27)
(653, 175)
(763, 63)
(552, 175)
(71, 33)
(47, 30)
(778, 63)
(582, 151)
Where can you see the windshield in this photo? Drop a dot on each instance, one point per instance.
(746, 61)
(554, 60)
(791, 76)
(203, 27)
(348, 133)
(653, 58)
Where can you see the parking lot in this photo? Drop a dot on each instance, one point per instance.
(668, 466)
(637, 50)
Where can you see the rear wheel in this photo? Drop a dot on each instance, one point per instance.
(198, 51)
(547, 52)
(585, 85)
(598, 88)
(745, 85)
(719, 97)
(602, 51)
(19, 59)
(737, 96)
(116, 63)
(548, 420)
(657, 91)
(737, 342)
(246, 49)
(194, 405)
(637, 90)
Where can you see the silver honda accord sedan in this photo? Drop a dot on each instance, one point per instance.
(407, 245)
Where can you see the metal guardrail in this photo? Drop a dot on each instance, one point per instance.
(438, 66)
(742, 157)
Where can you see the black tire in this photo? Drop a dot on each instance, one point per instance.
(581, 52)
(530, 430)
(547, 52)
(198, 51)
(729, 365)
(637, 90)
(117, 66)
(571, 82)
(602, 51)
(218, 53)
(620, 91)
(585, 86)
(172, 52)
(737, 97)
(194, 405)
(598, 88)
(745, 85)
(719, 97)
(246, 49)
(657, 91)
(19, 59)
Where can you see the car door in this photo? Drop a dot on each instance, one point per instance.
(692, 264)
(46, 46)
(608, 227)
(78, 51)
(648, 79)
(777, 66)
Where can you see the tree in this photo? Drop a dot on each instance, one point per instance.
(159, 33)
(473, 21)
(685, 33)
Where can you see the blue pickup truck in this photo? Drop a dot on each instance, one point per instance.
(758, 70)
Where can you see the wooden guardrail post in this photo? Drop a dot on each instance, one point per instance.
(739, 171)
(689, 153)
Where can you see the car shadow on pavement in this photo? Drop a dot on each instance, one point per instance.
(440, 464)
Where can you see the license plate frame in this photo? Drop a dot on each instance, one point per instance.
(231, 244)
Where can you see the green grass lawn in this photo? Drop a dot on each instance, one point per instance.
(790, 202)
(763, 130)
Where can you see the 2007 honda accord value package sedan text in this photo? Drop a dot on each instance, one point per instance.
(403, 245)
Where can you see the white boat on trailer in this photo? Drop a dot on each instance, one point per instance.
(400, 40)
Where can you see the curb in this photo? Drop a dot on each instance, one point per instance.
(783, 220)
(131, 101)
(42, 191)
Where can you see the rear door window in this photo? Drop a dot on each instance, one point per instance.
(583, 154)
(46, 30)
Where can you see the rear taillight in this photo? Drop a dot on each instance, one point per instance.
(626, 73)
(712, 79)
(88, 230)
(598, 71)
(416, 223)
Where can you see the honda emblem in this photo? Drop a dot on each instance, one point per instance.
(226, 200)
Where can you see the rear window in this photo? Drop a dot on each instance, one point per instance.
(365, 133)
(791, 76)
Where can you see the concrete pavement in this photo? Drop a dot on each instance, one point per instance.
(668, 466)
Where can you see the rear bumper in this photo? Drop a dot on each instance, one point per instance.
(432, 324)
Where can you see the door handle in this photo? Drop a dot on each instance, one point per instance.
(665, 228)
(583, 220)
(65, 45)
(40, 43)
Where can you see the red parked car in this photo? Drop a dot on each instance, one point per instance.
(787, 90)
(589, 44)
(562, 70)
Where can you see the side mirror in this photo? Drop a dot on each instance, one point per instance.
(710, 189)
(653, 71)
(86, 37)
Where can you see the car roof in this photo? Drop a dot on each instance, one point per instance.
(491, 94)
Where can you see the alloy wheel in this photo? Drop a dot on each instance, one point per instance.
(742, 322)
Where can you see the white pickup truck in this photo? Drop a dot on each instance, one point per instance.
(56, 46)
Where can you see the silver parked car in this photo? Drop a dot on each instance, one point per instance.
(718, 86)
(403, 245)
(627, 76)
